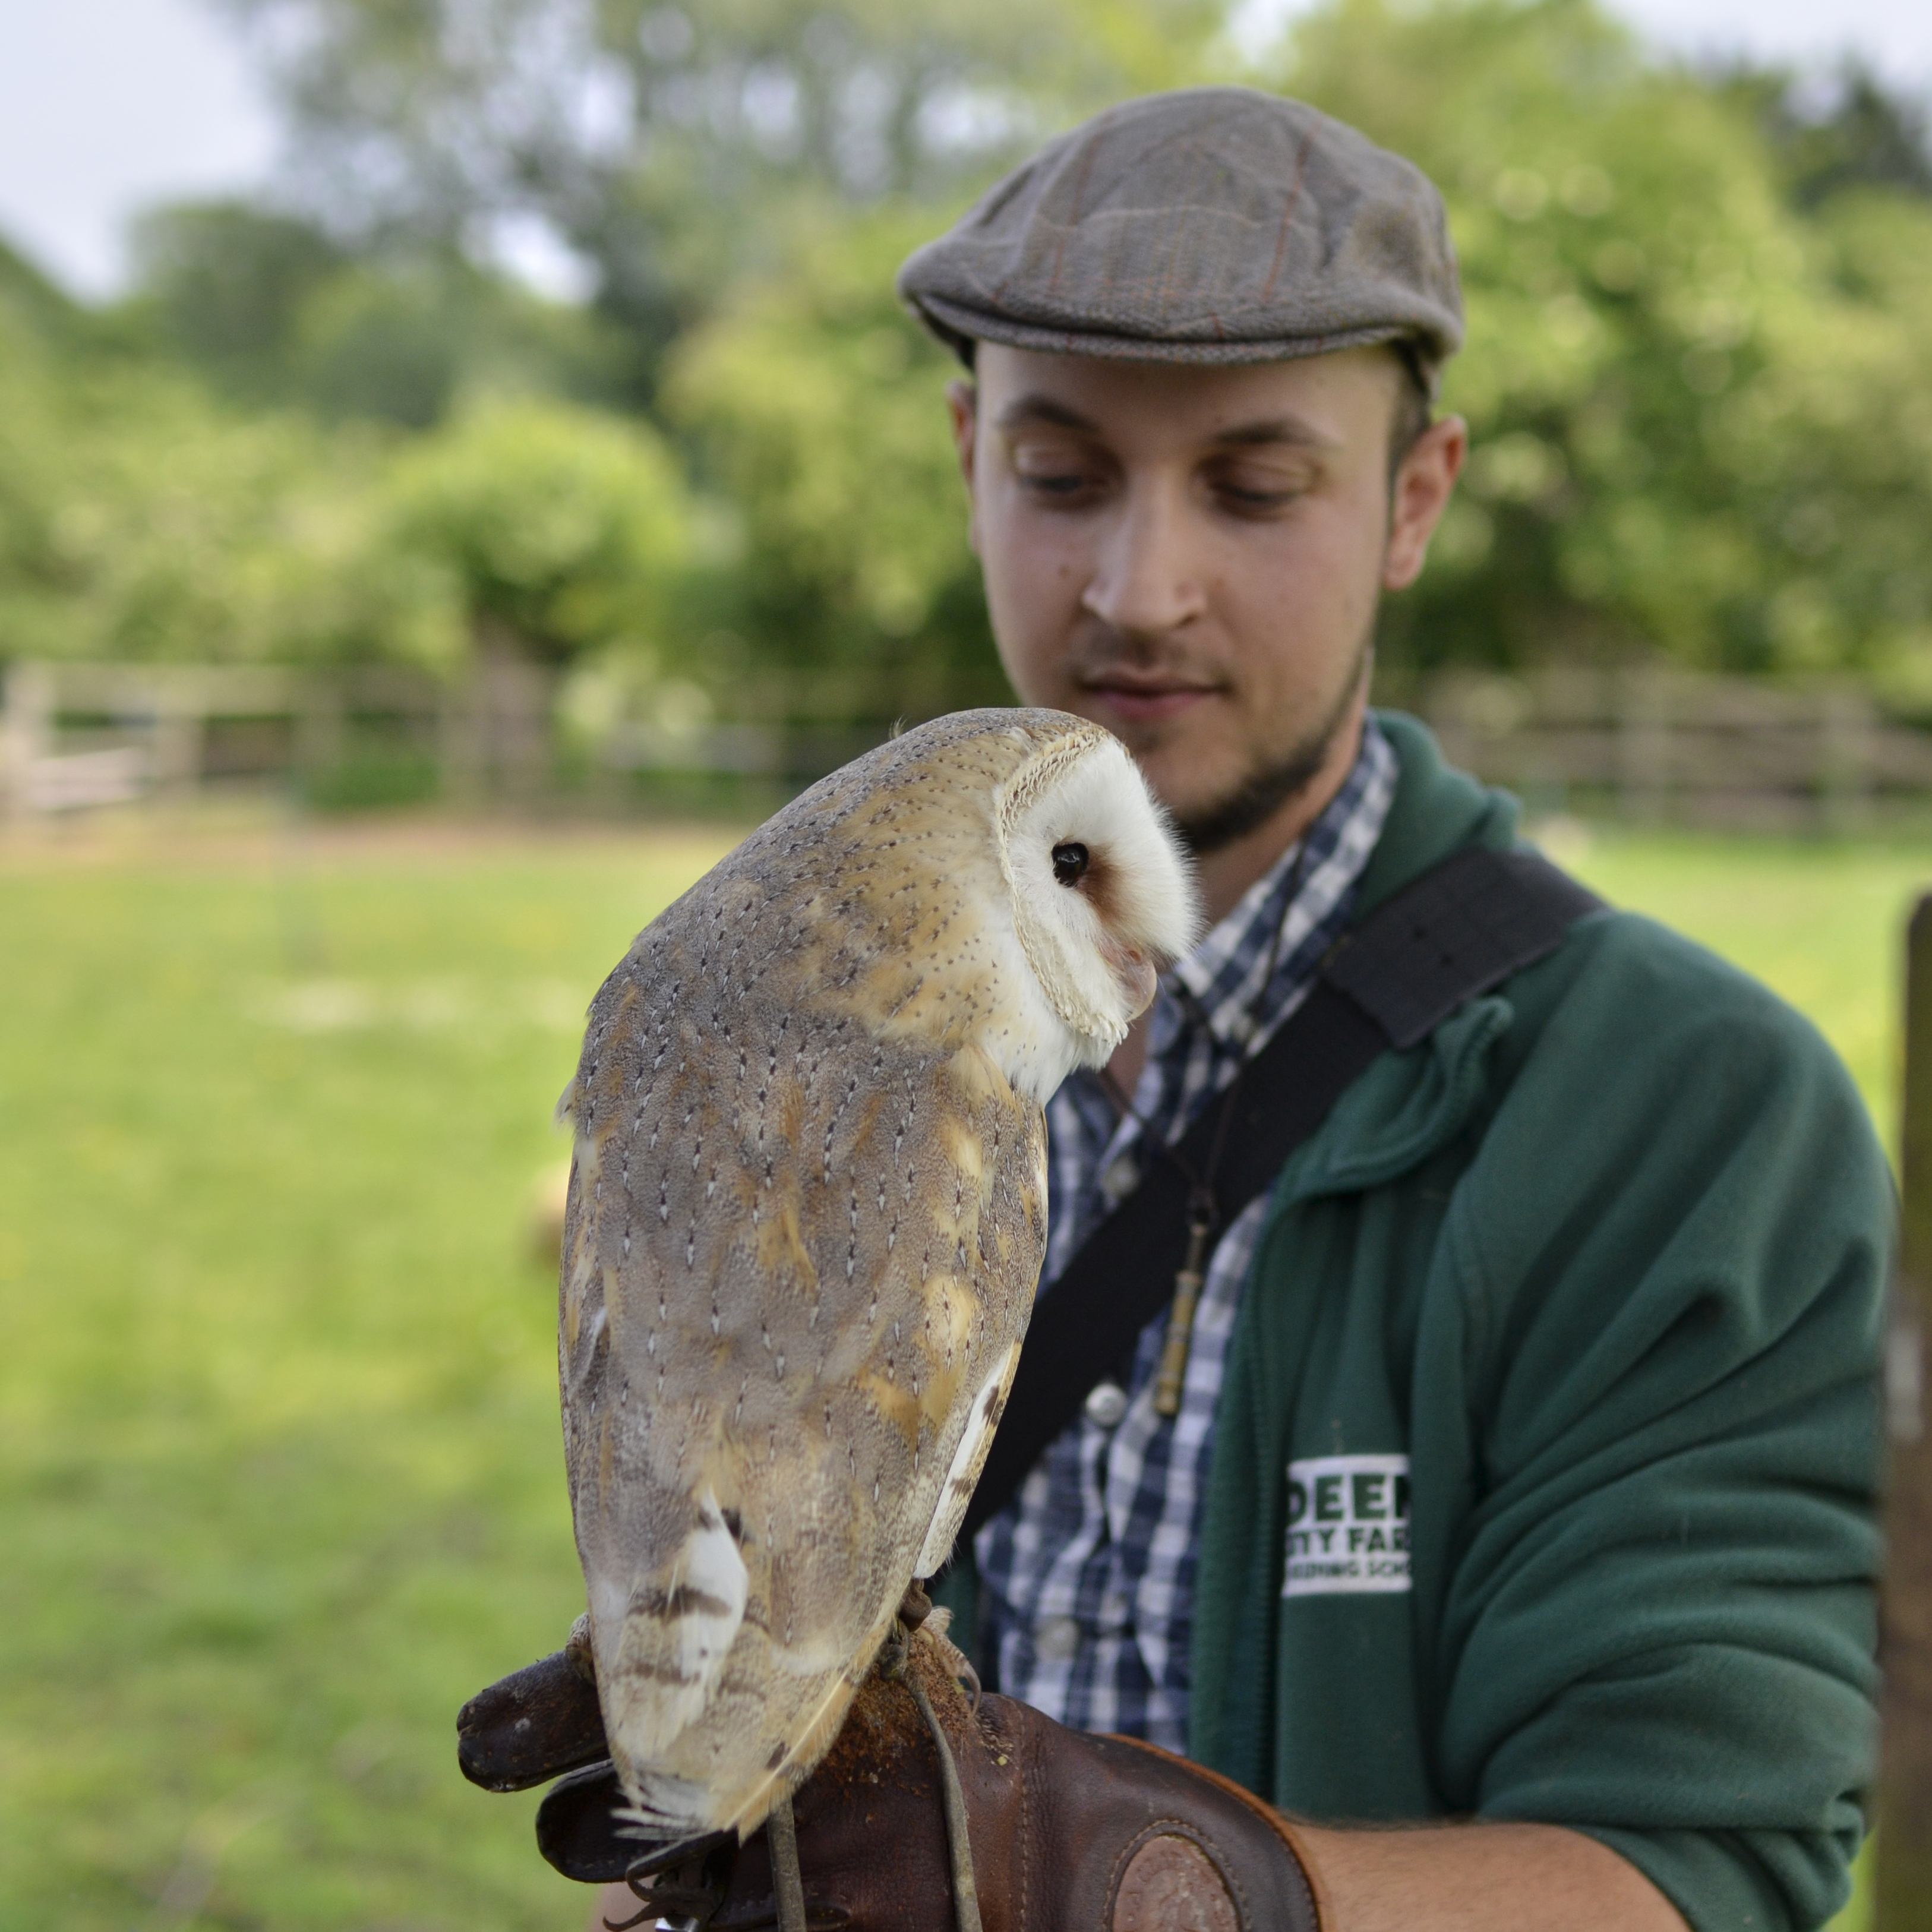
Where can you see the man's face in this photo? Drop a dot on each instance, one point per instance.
(1192, 556)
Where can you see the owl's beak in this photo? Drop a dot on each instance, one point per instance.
(1134, 972)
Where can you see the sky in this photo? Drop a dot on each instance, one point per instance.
(108, 106)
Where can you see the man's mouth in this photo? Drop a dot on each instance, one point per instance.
(1143, 699)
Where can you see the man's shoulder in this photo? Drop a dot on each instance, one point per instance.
(1639, 980)
(1627, 998)
(1630, 1033)
(1652, 1101)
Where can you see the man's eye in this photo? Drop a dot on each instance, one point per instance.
(1068, 484)
(1246, 497)
(1054, 472)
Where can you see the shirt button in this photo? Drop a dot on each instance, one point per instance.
(1122, 1176)
(1106, 1403)
(1056, 1639)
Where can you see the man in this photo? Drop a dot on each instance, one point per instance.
(1570, 1309)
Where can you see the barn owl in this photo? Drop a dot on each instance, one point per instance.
(806, 1216)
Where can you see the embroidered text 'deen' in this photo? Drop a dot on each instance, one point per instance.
(1348, 1526)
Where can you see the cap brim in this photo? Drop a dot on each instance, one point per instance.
(961, 328)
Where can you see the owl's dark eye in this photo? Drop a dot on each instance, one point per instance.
(1069, 863)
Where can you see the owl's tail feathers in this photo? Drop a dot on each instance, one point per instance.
(661, 1838)
(674, 1625)
(574, 1834)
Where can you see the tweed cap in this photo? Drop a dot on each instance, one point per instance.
(1213, 224)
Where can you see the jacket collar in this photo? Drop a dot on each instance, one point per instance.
(1436, 811)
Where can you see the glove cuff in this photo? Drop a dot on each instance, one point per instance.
(1320, 1904)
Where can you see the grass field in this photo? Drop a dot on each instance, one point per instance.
(280, 1478)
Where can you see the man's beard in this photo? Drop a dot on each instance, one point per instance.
(1266, 787)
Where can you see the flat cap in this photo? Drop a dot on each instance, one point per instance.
(1212, 224)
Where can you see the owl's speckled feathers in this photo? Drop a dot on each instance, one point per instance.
(807, 1215)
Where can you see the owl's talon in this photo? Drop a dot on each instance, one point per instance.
(686, 1895)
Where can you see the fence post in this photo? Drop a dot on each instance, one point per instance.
(321, 716)
(1902, 1892)
(1845, 719)
(1643, 714)
(181, 706)
(27, 735)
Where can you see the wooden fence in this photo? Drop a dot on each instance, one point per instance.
(1646, 745)
(73, 735)
(1661, 746)
(76, 735)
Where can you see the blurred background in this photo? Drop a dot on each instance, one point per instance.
(461, 464)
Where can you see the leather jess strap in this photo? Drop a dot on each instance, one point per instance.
(1460, 930)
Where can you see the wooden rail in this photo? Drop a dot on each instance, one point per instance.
(1648, 745)
(1658, 746)
(84, 734)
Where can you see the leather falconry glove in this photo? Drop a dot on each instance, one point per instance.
(1062, 1829)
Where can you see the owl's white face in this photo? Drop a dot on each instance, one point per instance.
(1101, 898)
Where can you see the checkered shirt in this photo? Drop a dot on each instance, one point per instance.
(1088, 1574)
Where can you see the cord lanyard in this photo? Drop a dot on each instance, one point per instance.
(1203, 1217)
(1173, 1371)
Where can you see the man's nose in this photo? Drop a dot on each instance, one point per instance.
(1146, 578)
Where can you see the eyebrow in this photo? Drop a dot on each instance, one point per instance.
(1290, 430)
(1279, 429)
(1044, 410)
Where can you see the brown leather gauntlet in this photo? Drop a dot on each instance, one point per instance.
(1068, 1831)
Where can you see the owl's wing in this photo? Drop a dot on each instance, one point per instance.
(798, 1261)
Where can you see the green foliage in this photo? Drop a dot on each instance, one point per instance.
(137, 520)
(32, 304)
(227, 282)
(1697, 379)
(280, 1479)
(563, 528)
(140, 520)
(676, 147)
(818, 411)
(374, 777)
(273, 311)
(1866, 136)
(1702, 420)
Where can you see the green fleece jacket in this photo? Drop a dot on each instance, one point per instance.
(1546, 1460)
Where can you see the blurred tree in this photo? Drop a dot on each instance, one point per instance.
(226, 282)
(1847, 131)
(36, 304)
(271, 309)
(563, 530)
(672, 147)
(1702, 421)
(137, 519)
(816, 409)
(1699, 385)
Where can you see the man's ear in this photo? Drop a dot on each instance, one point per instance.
(1424, 480)
(962, 403)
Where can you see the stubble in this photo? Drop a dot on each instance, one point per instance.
(1270, 783)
